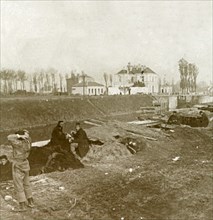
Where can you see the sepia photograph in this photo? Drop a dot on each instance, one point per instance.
(106, 110)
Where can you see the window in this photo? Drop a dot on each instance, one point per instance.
(89, 91)
(142, 78)
(92, 91)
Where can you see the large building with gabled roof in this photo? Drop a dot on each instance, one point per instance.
(137, 76)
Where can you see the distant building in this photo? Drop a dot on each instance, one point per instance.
(70, 83)
(166, 89)
(88, 88)
(75, 79)
(137, 76)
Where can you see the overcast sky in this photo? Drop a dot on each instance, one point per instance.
(104, 36)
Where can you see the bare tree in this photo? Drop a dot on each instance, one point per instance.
(183, 64)
(47, 81)
(110, 79)
(11, 76)
(22, 76)
(35, 82)
(195, 74)
(188, 76)
(61, 82)
(106, 78)
(52, 73)
(41, 80)
(15, 81)
(5, 77)
(30, 78)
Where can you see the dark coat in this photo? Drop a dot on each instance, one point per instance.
(83, 142)
(59, 138)
(58, 135)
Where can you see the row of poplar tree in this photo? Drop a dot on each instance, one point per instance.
(188, 76)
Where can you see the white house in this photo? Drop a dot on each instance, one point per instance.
(88, 88)
(166, 89)
(138, 76)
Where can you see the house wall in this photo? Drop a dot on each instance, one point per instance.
(166, 89)
(151, 81)
(77, 90)
(95, 90)
(173, 103)
(89, 90)
(70, 83)
(114, 91)
(136, 90)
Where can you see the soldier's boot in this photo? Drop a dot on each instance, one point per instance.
(21, 208)
(30, 202)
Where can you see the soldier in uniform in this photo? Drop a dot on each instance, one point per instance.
(82, 141)
(21, 143)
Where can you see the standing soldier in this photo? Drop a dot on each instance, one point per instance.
(21, 143)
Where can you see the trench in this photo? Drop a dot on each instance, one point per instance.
(39, 155)
(41, 132)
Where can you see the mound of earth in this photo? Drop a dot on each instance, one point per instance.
(170, 178)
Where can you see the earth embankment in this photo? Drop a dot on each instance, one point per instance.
(28, 112)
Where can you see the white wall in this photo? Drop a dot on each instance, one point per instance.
(114, 91)
(95, 90)
(166, 89)
(91, 90)
(151, 81)
(136, 90)
(173, 102)
(205, 99)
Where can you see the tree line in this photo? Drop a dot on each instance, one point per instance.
(40, 81)
(188, 76)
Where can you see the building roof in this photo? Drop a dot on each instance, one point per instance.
(122, 71)
(148, 70)
(136, 70)
(86, 76)
(88, 84)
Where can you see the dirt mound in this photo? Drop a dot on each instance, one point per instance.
(118, 143)
(108, 152)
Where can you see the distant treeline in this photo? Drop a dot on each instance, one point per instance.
(49, 80)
